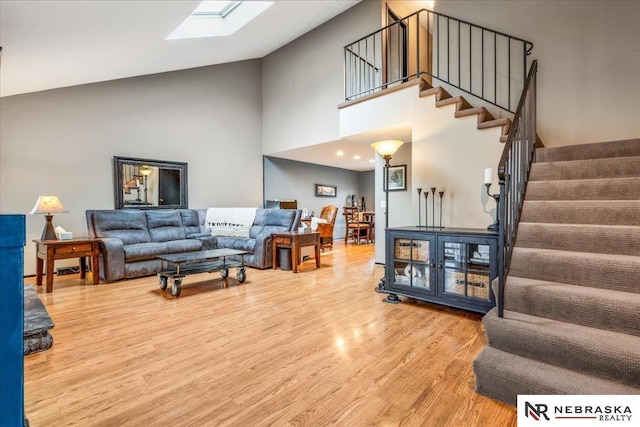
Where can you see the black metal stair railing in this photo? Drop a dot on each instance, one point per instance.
(485, 63)
(513, 174)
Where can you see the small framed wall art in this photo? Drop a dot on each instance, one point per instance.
(397, 178)
(323, 190)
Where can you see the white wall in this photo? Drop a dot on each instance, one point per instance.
(589, 61)
(451, 154)
(303, 82)
(63, 141)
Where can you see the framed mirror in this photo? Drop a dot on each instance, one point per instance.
(149, 184)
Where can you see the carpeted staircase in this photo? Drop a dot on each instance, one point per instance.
(572, 295)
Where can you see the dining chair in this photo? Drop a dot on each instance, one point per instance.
(355, 228)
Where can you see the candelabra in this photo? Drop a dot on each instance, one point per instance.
(419, 210)
(496, 224)
(426, 210)
(433, 207)
(488, 177)
(441, 194)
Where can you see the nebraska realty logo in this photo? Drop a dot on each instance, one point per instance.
(578, 410)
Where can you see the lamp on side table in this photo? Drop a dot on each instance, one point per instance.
(48, 205)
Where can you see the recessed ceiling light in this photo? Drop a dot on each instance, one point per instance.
(356, 157)
(340, 153)
(218, 18)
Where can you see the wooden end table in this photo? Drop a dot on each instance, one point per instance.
(47, 251)
(295, 240)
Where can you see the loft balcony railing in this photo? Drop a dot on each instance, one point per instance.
(485, 63)
(513, 174)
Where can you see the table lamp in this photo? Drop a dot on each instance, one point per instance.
(48, 205)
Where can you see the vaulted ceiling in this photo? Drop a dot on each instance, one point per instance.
(52, 43)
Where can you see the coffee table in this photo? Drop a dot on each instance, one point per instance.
(177, 266)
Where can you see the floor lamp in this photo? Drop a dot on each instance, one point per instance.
(386, 149)
(145, 171)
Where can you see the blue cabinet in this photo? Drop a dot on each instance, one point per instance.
(12, 241)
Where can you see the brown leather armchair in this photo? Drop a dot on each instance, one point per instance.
(329, 213)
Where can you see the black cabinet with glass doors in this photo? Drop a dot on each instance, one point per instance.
(451, 266)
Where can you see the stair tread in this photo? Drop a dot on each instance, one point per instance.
(626, 188)
(599, 293)
(610, 271)
(458, 100)
(505, 121)
(595, 238)
(503, 376)
(471, 111)
(608, 339)
(438, 91)
(609, 309)
(604, 212)
(621, 148)
(611, 167)
(599, 257)
(604, 353)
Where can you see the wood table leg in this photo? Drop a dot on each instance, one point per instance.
(95, 264)
(274, 250)
(83, 267)
(317, 246)
(295, 256)
(39, 268)
(49, 269)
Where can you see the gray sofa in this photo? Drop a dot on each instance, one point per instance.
(130, 239)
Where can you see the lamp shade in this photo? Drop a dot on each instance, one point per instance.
(48, 205)
(387, 147)
(145, 170)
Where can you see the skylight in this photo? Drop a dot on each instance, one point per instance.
(218, 18)
(216, 9)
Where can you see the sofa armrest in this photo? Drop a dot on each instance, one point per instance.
(111, 259)
(263, 255)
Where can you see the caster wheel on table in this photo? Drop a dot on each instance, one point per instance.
(176, 289)
(224, 273)
(162, 281)
(241, 275)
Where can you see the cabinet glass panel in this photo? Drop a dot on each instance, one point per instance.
(411, 263)
(466, 269)
(466, 284)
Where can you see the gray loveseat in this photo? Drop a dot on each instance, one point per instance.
(130, 239)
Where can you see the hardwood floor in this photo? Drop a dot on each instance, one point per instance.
(314, 348)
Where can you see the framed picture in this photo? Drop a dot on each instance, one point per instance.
(323, 190)
(397, 178)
